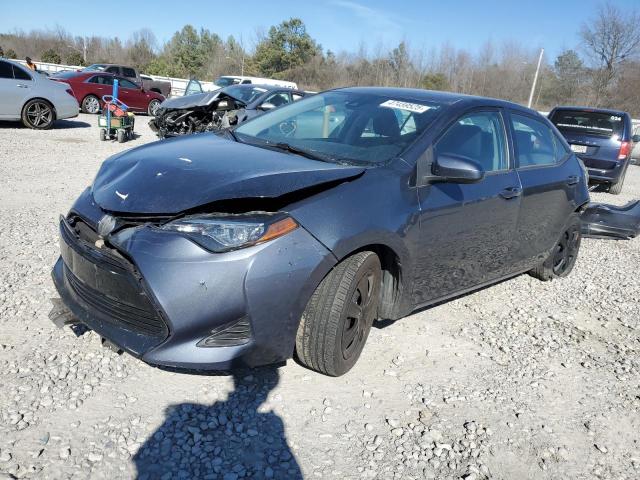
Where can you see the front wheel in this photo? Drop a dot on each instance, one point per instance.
(153, 107)
(336, 323)
(38, 114)
(563, 257)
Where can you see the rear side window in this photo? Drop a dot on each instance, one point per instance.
(535, 145)
(6, 70)
(128, 72)
(478, 136)
(20, 74)
(115, 70)
(591, 123)
(102, 80)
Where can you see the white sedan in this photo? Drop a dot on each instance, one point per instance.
(32, 98)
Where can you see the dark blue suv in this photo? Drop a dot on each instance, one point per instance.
(601, 138)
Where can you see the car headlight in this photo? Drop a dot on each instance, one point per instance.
(224, 233)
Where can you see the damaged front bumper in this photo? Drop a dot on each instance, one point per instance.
(169, 302)
(601, 220)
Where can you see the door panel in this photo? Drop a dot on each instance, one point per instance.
(466, 230)
(466, 234)
(549, 177)
(13, 93)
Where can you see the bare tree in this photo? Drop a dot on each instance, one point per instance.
(610, 38)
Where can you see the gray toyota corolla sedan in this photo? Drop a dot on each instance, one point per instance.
(291, 234)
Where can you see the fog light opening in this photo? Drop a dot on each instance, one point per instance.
(237, 332)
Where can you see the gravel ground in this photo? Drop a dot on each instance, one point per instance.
(520, 380)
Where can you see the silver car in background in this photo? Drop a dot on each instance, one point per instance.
(32, 98)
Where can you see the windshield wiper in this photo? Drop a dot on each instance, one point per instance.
(297, 151)
(233, 135)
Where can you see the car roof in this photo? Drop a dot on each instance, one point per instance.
(446, 98)
(592, 109)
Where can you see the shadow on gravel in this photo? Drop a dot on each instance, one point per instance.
(228, 440)
(58, 124)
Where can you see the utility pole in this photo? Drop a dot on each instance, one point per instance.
(535, 78)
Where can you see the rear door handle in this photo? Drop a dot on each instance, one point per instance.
(572, 180)
(22, 85)
(511, 192)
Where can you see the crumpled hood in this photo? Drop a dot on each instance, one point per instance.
(171, 176)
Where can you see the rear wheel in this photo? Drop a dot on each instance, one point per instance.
(38, 114)
(616, 188)
(336, 323)
(90, 104)
(563, 257)
(120, 136)
(103, 134)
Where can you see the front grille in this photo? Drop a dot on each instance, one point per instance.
(108, 285)
(128, 316)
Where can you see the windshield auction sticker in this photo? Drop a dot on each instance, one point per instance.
(411, 107)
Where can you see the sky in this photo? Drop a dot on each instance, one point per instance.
(338, 25)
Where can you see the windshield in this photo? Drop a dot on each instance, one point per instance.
(226, 81)
(343, 125)
(246, 95)
(591, 123)
(96, 67)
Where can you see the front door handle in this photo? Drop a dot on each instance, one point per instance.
(511, 192)
(572, 180)
(22, 85)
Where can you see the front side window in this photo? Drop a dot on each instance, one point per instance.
(534, 142)
(478, 136)
(347, 126)
(129, 72)
(113, 70)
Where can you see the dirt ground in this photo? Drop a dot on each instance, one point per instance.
(520, 380)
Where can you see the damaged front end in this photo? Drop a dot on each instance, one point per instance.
(205, 112)
(600, 220)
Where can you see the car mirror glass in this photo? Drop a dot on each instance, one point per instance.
(635, 138)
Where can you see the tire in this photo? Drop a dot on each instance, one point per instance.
(563, 257)
(120, 136)
(38, 114)
(153, 106)
(337, 320)
(90, 104)
(616, 188)
(103, 134)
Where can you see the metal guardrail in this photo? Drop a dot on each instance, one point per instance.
(178, 85)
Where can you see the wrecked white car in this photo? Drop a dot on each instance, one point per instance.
(221, 109)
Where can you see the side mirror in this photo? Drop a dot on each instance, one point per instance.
(457, 169)
(635, 138)
(267, 106)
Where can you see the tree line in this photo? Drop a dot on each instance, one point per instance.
(603, 71)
